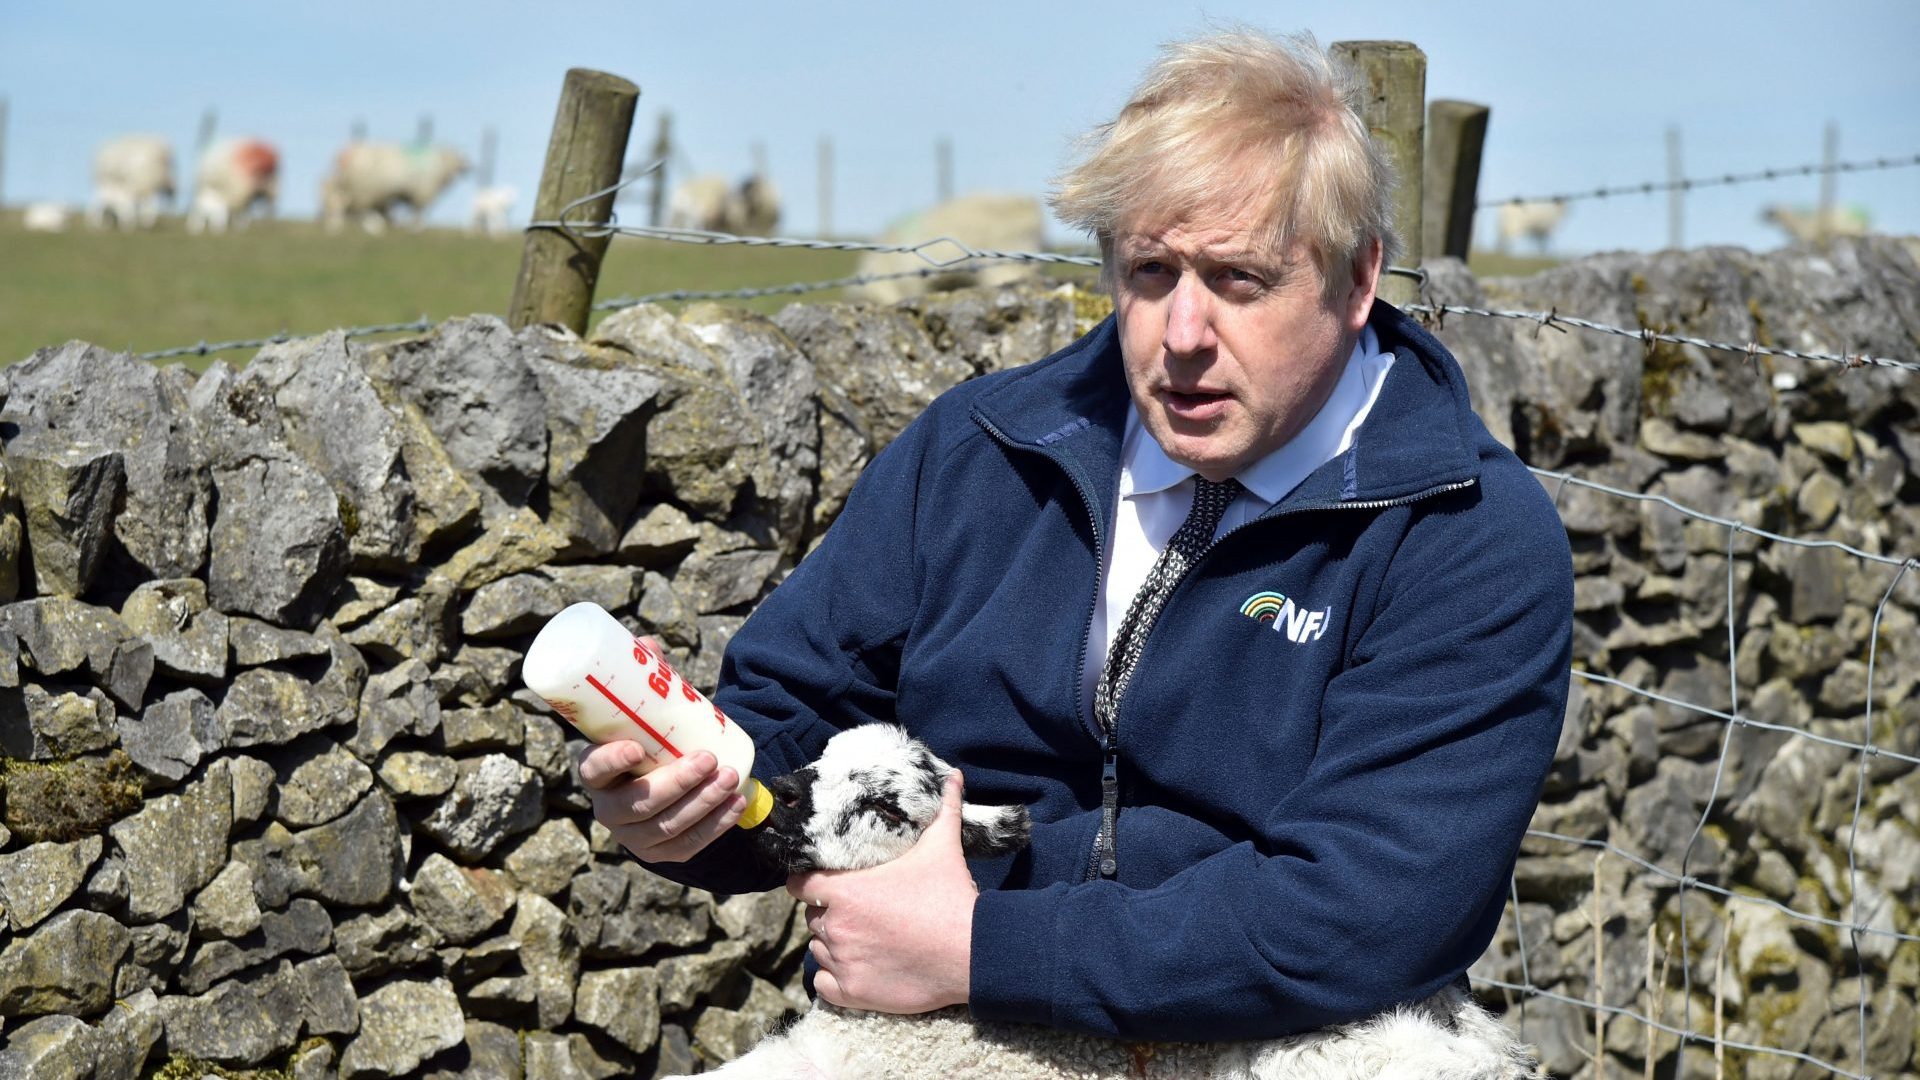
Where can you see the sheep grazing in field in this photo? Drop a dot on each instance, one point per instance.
(237, 178)
(132, 181)
(371, 180)
(867, 799)
(1809, 226)
(1532, 220)
(709, 204)
(45, 217)
(983, 222)
(490, 208)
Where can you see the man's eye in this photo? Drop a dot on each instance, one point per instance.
(1150, 266)
(1235, 274)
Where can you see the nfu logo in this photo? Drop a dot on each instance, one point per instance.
(1301, 625)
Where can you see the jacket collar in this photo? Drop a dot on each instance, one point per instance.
(1419, 436)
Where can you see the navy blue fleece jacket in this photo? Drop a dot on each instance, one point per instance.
(1318, 818)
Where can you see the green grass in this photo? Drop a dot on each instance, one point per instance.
(143, 292)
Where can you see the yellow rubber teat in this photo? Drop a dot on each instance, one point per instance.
(759, 805)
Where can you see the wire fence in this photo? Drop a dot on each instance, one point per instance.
(1686, 877)
(1649, 187)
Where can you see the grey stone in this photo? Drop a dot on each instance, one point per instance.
(171, 737)
(358, 600)
(256, 643)
(352, 859)
(63, 635)
(550, 955)
(545, 861)
(313, 1061)
(189, 639)
(665, 615)
(279, 548)
(419, 627)
(325, 408)
(303, 927)
(38, 878)
(497, 668)
(64, 966)
(512, 543)
(384, 942)
(726, 1034)
(252, 787)
(487, 727)
(491, 1052)
(471, 382)
(269, 707)
(494, 799)
(402, 1024)
(598, 410)
(611, 587)
(317, 784)
(226, 907)
(70, 495)
(544, 748)
(399, 701)
(624, 1003)
(176, 844)
(13, 539)
(417, 774)
(460, 903)
(715, 581)
(128, 1034)
(659, 537)
(571, 1056)
(52, 1048)
(38, 724)
(107, 888)
(621, 912)
(704, 448)
(693, 977)
(330, 1005)
(133, 407)
(703, 668)
(511, 607)
(237, 1023)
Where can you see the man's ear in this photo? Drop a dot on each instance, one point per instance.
(1357, 304)
(989, 831)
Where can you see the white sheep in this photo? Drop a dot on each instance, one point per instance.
(868, 798)
(709, 204)
(132, 181)
(490, 208)
(1807, 226)
(983, 222)
(236, 179)
(45, 217)
(1533, 220)
(370, 180)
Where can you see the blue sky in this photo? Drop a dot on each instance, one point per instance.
(1581, 94)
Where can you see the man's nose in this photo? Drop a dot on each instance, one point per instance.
(1189, 317)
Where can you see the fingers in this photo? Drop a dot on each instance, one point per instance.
(671, 813)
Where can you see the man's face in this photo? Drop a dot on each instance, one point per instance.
(1230, 348)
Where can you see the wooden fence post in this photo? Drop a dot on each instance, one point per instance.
(1456, 131)
(558, 270)
(1394, 75)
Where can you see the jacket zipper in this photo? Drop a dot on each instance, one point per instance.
(1104, 860)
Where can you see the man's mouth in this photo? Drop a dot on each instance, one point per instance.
(1194, 403)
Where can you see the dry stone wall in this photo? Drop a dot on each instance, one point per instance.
(274, 799)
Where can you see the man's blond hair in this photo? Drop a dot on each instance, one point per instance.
(1240, 120)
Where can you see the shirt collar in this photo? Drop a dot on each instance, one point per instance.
(1145, 468)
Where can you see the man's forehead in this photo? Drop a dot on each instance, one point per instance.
(1217, 236)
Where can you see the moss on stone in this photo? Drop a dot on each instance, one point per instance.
(349, 517)
(68, 800)
(1660, 370)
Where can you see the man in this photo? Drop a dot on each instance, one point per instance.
(1236, 593)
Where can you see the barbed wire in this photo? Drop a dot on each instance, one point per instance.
(1648, 336)
(1725, 180)
(756, 292)
(207, 348)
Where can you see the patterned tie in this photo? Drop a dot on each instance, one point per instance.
(1210, 501)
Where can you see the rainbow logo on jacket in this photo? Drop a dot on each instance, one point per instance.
(1300, 624)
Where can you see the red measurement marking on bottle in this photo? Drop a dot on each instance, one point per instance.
(633, 716)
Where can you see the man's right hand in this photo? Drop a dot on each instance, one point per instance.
(668, 815)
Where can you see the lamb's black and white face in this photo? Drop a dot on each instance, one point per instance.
(871, 794)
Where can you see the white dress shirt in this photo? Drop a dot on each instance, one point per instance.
(1156, 492)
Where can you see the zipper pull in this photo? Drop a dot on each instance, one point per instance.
(1105, 853)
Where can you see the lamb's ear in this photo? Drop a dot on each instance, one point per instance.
(988, 831)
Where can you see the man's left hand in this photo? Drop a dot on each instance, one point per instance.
(896, 938)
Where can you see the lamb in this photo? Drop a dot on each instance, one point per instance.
(490, 208)
(983, 222)
(865, 802)
(707, 203)
(1533, 220)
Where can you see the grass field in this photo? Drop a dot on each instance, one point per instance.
(143, 292)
